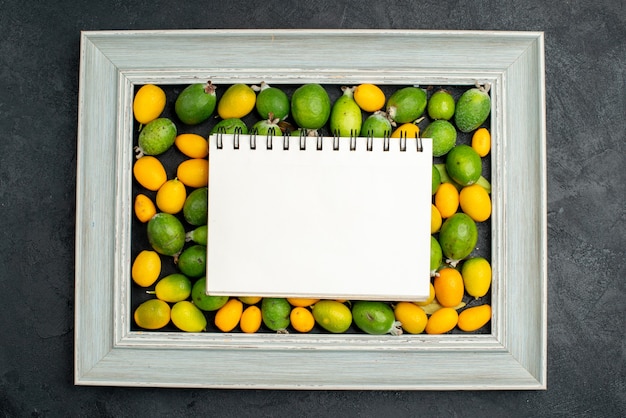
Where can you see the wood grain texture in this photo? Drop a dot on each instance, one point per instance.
(108, 353)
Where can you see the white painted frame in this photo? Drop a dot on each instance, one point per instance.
(108, 353)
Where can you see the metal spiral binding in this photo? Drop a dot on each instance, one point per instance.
(302, 139)
(268, 141)
(369, 142)
(336, 141)
(353, 136)
(219, 143)
(319, 141)
(221, 131)
(403, 141)
(236, 137)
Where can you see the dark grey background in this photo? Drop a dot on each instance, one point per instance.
(586, 130)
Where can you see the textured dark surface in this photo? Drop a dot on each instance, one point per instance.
(585, 72)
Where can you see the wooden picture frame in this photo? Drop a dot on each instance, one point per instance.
(108, 353)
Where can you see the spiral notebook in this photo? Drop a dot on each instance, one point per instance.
(319, 217)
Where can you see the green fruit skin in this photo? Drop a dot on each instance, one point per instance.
(458, 236)
(406, 104)
(157, 136)
(441, 105)
(376, 125)
(345, 117)
(272, 100)
(436, 180)
(464, 165)
(166, 234)
(196, 207)
(319, 310)
(265, 127)
(187, 317)
(472, 110)
(373, 317)
(202, 300)
(152, 308)
(173, 288)
(198, 235)
(195, 104)
(436, 254)
(443, 134)
(445, 177)
(275, 313)
(230, 126)
(310, 106)
(192, 261)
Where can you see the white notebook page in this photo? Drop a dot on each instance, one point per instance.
(330, 223)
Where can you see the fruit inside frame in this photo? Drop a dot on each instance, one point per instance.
(415, 114)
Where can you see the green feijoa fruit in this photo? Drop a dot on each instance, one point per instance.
(436, 255)
(376, 125)
(198, 235)
(156, 137)
(310, 106)
(445, 177)
(266, 127)
(458, 237)
(464, 165)
(406, 104)
(192, 261)
(196, 103)
(345, 115)
(152, 314)
(436, 180)
(230, 126)
(173, 288)
(272, 103)
(202, 300)
(275, 313)
(332, 315)
(441, 105)
(187, 317)
(166, 234)
(472, 109)
(443, 134)
(196, 207)
(374, 317)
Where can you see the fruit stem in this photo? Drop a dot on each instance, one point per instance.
(396, 328)
(151, 292)
(271, 119)
(262, 87)
(452, 262)
(209, 88)
(391, 113)
(138, 152)
(484, 88)
(348, 91)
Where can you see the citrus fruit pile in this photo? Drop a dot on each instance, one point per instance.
(170, 188)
